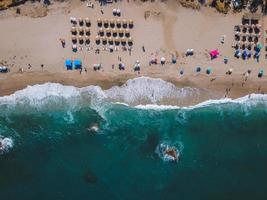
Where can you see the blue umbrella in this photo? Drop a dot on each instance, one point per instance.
(68, 64)
(77, 64)
(208, 71)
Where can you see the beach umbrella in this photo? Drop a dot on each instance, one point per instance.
(99, 22)
(118, 23)
(87, 22)
(230, 71)
(68, 64)
(121, 32)
(260, 74)
(104, 40)
(110, 41)
(87, 31)
(112, 23)
(73, 39)
(73, 30)
(114, 32)
(106, 23)
(208, 71)
(130, 41)
(118, 12)
(198, 69)
(74, 47)
(87, 40)
(114, 12)
(81, 31)
(101, 32)
(162, 60)
(108, 32)
(97, 40)
(117, 41)
(80, 21)
(131, 23)
(181, 72)
(124, 23)
(127, 33)
(123, 41)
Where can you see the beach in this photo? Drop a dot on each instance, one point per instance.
(169, 29)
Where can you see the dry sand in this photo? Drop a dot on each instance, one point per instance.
(169, 29)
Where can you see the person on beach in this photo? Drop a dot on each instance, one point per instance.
(42, 66)
(143, 48)
(63, 42)
(29, 66)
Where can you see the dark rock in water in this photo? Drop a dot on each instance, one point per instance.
(90, 177)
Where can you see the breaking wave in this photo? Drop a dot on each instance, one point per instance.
(140, 93)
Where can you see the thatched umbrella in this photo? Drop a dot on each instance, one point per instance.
(73, 30)
(130, 41)
(99, 22)
(87, 40)
(101, 32)
(123, 41)
(118, 23)
(97, 40)
(87, 22)
(131, 23)
(87, 31)
(124, 23)
(80, 39)
(74, 39)
(108, 32)
(117, 41)
(112, 23)
(80, 21)
(114, 32)
(121, 32)
(81, 31)
(127, 33)
(105, 22)
(110, 41)
(104, 40)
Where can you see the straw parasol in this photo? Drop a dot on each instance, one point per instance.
(97, 39)
(112, 23)
(87, 40)
(80, 39)
(123, 41)
(81, 21)
(99, 22)
(124, 23)
(87, 22)
(110, 41)
(108, 32)
(81, 31)
(104, 40)
(73, 39)
(117, 41)
(130, 41)
(73, 30)
(101, 32)
(121, 32)
(127, 33)
(87, 31)
(114, 32)
(118, 23)
(130, 22)
(105, 22)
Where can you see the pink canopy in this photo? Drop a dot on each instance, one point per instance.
(214, 53)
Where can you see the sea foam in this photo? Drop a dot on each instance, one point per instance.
(140, 93)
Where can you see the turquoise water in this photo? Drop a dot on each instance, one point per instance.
(223, 152)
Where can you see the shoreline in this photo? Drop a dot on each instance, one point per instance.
(37, 43)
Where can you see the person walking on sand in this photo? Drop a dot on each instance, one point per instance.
(63, 42)
(42, 66)
(143, 48)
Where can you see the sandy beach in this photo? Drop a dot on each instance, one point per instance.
(29, 41)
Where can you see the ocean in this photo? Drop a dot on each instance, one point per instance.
(88, 143)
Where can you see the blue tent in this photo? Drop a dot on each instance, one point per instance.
(77, 64)
(68, 64)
